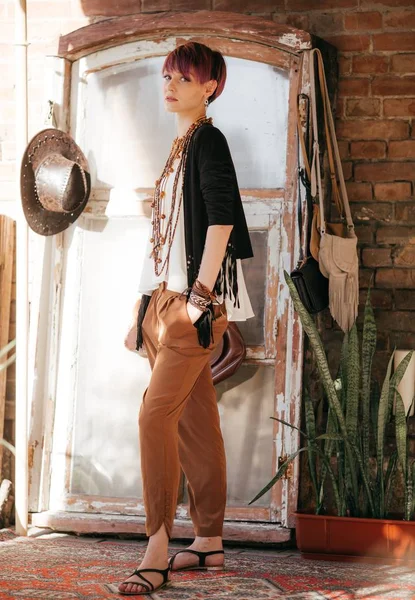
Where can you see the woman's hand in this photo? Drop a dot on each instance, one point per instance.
(130, 339)
(193, 312)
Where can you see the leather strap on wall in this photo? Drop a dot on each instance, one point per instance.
(340, 199)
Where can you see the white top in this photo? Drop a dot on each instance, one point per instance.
(176, 275)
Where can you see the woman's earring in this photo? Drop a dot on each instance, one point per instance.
(206, 102)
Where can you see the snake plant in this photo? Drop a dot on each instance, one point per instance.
(357, 418)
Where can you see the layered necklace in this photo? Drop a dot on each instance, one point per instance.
(163, 229)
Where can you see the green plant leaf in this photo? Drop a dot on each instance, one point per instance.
(382, 419)
(289, 425)
(309, 416)
(389, 389)
(331, 429)
(333, 437)
(390, 472)
(368, 351)
(410, 408)
(365, 480)
(351, 408)
(324, 371)
(280, 473)
(401, 432)
(353, 378)
(343, 370)
(316, 343)
(311, 432)
(332, 476)
(374, 408)
(396, 380)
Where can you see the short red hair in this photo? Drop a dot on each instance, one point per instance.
(205, 63)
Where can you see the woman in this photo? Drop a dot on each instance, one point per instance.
(191, 284)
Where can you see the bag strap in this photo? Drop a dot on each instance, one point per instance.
(301, 138)
(332, 169)
(315, 162)
(331, 137)
(304, 179)
(299, 207)
(341, 200)
(302, 176)
(305, 152)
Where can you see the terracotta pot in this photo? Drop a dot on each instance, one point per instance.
(350, 536)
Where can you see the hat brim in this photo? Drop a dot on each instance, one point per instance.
(49, 141)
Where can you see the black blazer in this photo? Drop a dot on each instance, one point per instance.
(211, 197)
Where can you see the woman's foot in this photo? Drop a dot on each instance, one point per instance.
(155, 558)
(201, 544)
(133, 583)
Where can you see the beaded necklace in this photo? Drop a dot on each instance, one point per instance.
(160, 237)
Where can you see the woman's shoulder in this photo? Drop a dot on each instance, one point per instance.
(208, 131)
(209, 139)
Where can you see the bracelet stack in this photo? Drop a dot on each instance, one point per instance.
(200, 296)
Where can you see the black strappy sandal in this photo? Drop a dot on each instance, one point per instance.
(149, 587)
(202, 561)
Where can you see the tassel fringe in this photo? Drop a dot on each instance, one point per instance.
(228, 286)
(224, 286)
(204, 323)
(204, 327)
(145, 300)
(344, 299)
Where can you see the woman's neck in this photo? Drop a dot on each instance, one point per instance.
(183, 121)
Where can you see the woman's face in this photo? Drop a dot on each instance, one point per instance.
(189, 95)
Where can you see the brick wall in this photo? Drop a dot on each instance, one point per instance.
(376, 131)
(375, 118)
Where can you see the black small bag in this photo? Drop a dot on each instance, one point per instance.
(310, 283)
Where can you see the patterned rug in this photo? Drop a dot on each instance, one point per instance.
(82, 568)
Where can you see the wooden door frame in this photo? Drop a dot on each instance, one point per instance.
(268, 35)
(241, 36)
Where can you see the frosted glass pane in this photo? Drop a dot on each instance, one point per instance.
(127, 133)
(110, 379)
(245, 405)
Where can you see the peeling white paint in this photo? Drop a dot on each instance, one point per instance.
(125, 53)
(292, 40)
(87, 504)
(182, 512)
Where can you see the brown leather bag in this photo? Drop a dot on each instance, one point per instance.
(229, 354)
(333, 228)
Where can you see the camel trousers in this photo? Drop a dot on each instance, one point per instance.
(179, 420)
